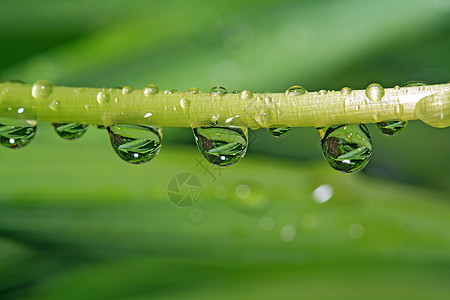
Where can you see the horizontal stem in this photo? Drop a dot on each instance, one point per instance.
(45, 102)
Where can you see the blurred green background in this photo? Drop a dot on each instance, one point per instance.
(76, 222)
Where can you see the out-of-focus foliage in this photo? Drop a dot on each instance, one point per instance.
(76, 222)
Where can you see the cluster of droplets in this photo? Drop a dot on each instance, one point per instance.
(346, 148)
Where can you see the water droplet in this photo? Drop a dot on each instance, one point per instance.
(103, 97)
(213, 120)
(193, 90)
(150, 89)
(347, 148)
(127, 90)
(134, 143)
(279, 131)
(391, 127)
(268, 100)
(70, 131)
(396, 87)
(41, 89)
(221, 146)
(322, 92)
(346, 91)
(218, 90)
(415, 83)
(295, 90)
(16, 81)
(184, 103)
(235, 91)
(169, 92)
(263, 117)
(17, 127)
(245, 95)
(374, 92)
(434, 109)
(54, 105)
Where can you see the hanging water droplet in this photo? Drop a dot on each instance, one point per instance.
(103, 97)
(295, 90)
(193, 90)
(15, 137)
(279, 131)
(434, 109)
(346, 91)
(221, 146)
(415, 83)
(134, 143)
(245, 95)
(150, 89)
(70, 131)
(374, 92)
(391, 127)
(213, 120)
(41, 89)
(127, 90)
(347, 148)
(218, 90)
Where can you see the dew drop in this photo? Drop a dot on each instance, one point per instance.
(245, 95)
(263, 117)
(434, 109)
(193, 90)
(279, 132)
(374, 92)
(396, 87)
(16, 81)
(213, 120)
(347, 148)
(15, 137)
(184, 103)
(135, 144)
(221, 146)
(218, 90)
(103, 97)
(346, 91)
(169, 92)
(295, 90)
(415, 83)
(150, 89)
(127, 90)
(41, 89)
(70, 131)
(399, 110)
(54, 105)
(322, 92)
(391, 127)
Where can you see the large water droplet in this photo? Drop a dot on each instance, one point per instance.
(221, 146)
(150, 89)
(391, 127)
(374, 92)
(218, 90)
(16, 137)
(70, 131)
(347, 148)
(295, 90)
(41, 89)
(279, 131)
(434, 109)
(134, 143)
(103, 97)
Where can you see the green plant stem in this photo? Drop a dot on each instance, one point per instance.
(181, 109)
